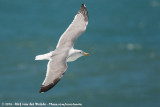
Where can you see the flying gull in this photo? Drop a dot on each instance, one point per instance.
(64, 51)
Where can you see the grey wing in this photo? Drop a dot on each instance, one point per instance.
(55, 69)
(76, 28)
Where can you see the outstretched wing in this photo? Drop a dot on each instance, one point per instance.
(55, 69)
(76, 28)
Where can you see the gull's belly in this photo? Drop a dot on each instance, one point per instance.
(72, 58)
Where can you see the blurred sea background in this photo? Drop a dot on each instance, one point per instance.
(122, 37)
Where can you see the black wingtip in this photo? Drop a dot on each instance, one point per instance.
(48, 87)
(45, 88)
(83, 10)
(83, 5)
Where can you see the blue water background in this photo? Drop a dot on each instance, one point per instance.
(122, 37)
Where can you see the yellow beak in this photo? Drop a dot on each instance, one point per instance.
(87, 54)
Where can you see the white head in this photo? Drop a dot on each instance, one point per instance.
(75, 54)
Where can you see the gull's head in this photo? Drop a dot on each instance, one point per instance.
(81, 53)
(75, 54)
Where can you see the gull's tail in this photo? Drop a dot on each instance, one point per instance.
(43, 57)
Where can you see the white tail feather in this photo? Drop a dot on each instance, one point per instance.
(43, 57)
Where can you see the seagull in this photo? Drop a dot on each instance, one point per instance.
(64, 51)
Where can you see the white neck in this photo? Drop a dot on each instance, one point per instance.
(73, 55)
